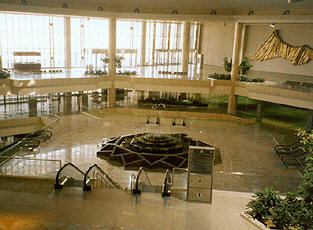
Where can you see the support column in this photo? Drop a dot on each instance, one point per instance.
(0, 62)
(232, 102)
(153, 43)
(67, 103)
(143, 43)
(243, 42)
(112, 64)
(67, 42)
(259, 112)
(84, 101)
(186, 41)
(32, 107)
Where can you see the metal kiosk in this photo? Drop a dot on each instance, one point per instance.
(200, 173)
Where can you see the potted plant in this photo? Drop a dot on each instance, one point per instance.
(295, 211)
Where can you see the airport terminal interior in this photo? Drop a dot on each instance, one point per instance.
(142, 115)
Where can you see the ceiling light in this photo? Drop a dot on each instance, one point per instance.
(24, 2)
(174, 12)
(136, 11)
(251, 12)
(273, 25)
(64, 5)
(213, 12)
(100, 8)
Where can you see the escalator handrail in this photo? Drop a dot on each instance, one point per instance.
(58, 173)
(167, 178)
(138, 176)
(107, 177)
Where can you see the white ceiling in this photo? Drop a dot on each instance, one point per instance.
(235, 7)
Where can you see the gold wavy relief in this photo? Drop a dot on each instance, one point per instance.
(274, 47)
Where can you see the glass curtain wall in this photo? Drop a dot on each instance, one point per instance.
(43, 35)
(168, 43)
(89, 41)
(128, 42)
(193, 45)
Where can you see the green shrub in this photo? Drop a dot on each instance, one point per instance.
(243, 68)
(264, 202)
(291, 212)
(306, 140)
(4, 74)
(227, 65)
(240, 78)
(97, 72)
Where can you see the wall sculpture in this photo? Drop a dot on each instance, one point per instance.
(274, 47)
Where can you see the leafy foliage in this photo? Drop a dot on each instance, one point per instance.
(260, 207)
(306, 140)
(243, 68)
(4, 74)
(240, 78)
(118, 60)
(126, 72)
(228, 65)
(291, 212)
(97, 72)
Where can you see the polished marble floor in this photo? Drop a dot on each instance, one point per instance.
(39, 207)
(248, 161)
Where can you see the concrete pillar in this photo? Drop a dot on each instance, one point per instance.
(243, 42)
(143, 43)
(67, 42)
(146, 94)
(84, 102)
(186, 41)
(232, 102)
(0, 62)
(153, 43)
(32, 107)
(112, 64)
(67, 103)
(259, 112)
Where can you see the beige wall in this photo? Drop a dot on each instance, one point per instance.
(217, 42)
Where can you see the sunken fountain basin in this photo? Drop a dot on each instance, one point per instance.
(151, 150)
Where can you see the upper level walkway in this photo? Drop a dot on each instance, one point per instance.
(161, 78)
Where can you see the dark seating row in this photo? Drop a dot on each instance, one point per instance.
(291, 154)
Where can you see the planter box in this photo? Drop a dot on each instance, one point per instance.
(255, 223)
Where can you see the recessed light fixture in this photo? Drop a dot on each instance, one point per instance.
(64, 5)
(100, 8)
(251, 12)
(174, 12)
(273, 25)
(213, 12)
(286, 12)
(136, 11)
(24, 2)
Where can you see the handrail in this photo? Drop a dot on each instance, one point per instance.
(107, 177)
(57, 184)
(166, 191)
(136, 190)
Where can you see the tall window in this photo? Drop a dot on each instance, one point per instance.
(128, 42)
(89, 41)
(29, 34)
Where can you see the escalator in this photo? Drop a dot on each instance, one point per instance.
(141, 183)
(94, 178)
(29, 142)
